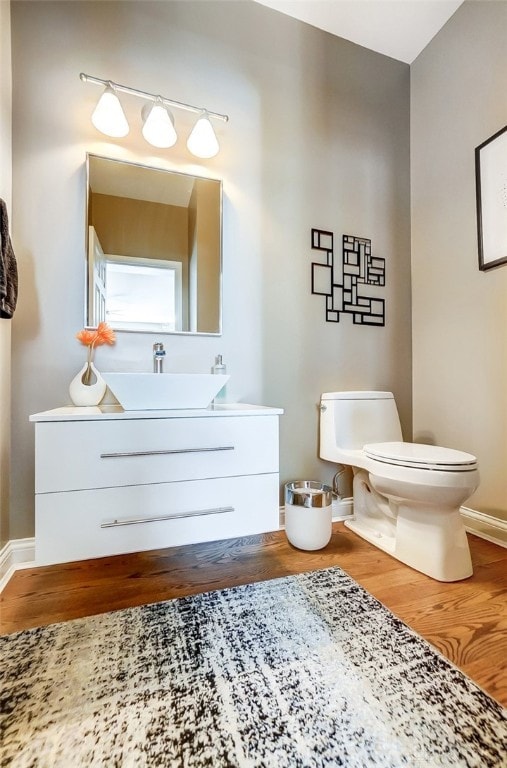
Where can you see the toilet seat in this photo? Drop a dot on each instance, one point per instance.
(421, 456)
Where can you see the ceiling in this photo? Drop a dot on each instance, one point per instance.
(397, 28)
(138, 182)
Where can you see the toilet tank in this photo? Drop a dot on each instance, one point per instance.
(350, 420)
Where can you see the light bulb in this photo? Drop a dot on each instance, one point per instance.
(202, 141)
(158, 128)
(108, 116)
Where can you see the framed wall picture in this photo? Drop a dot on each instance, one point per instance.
(491, 192)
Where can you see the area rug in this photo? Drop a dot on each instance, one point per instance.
(306, 670)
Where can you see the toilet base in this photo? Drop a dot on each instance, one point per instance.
(440, 550)
(425, 532)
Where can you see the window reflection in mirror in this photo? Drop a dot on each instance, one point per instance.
(154, 249)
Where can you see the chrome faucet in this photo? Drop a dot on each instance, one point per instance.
(158, 357)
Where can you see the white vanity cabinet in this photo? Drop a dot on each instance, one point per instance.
(108, 481)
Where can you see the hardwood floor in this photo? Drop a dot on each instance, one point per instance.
(466, 621)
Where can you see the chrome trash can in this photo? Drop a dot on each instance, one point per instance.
(308, 514)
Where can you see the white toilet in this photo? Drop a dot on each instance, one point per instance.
(407, 496)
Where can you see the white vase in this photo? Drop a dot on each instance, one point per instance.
(87, 394)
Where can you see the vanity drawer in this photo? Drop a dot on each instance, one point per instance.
(110, 521)
(95, 454)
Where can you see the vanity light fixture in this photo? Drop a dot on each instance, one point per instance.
(158, 123)
(202, 141)
(158, 127)
(108, 116)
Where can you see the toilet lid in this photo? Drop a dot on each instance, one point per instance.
(421, 456)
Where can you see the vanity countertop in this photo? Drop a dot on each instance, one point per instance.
(105, 412)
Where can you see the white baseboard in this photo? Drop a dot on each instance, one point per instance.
(16, 554)
(485, 526)
(20, 553)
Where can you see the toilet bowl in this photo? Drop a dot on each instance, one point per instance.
(407, 496)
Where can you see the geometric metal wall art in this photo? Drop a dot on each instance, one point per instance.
(341, 280)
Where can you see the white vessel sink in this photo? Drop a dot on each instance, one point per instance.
(164, 391)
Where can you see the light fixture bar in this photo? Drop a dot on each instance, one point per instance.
(151, 96)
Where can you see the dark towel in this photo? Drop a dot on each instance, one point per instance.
(8, 268)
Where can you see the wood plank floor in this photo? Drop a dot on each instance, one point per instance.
(466, 621)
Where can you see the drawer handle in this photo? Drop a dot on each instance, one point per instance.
(196, 513)
(166, 452)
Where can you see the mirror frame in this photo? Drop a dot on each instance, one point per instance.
(87, 278)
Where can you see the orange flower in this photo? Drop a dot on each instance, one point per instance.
(86, 337)
(103, 334)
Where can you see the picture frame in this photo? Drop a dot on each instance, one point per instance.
(491, 195)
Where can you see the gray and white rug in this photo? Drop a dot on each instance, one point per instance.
(303, 671)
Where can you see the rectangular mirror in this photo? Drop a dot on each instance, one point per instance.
(154, 249)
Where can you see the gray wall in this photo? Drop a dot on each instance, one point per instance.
(459, 99)
(318, 137)
(5, 325)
